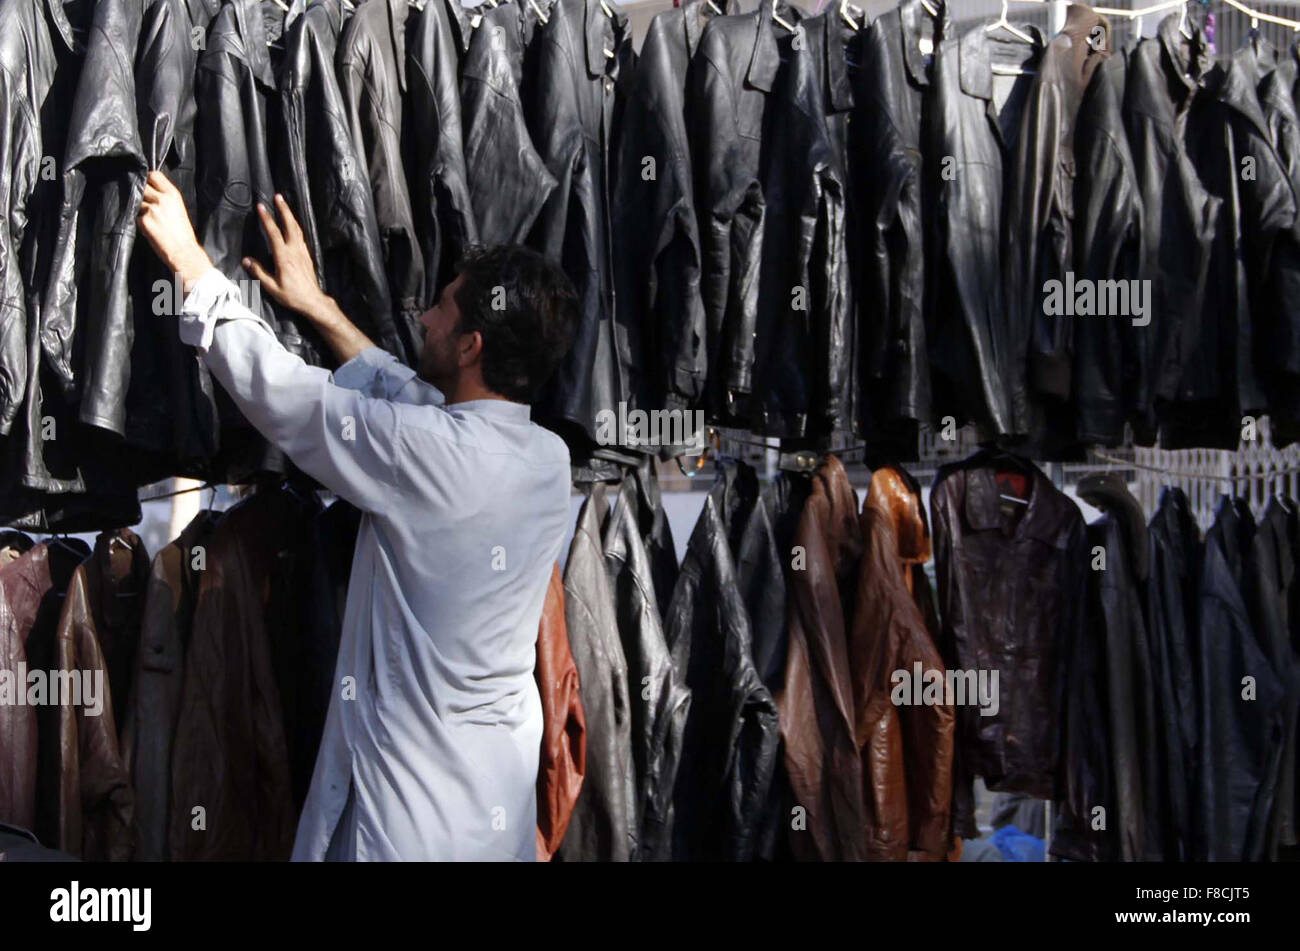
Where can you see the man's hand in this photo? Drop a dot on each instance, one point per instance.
(166, 224)
(294, 283)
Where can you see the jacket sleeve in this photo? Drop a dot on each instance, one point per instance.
(349, 442)
(564, 728)
(20, 149)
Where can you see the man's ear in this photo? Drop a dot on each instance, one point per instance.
(471, 348)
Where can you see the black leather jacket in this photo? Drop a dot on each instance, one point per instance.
(893, 95)
(603, 827)
(1175, 557)
(371, 68)
(804, 351)
(977, 367)
(508, 180)
(1225, 127)
(1241, 743)
(1011, 580)
(434, 153)
(660, 316)
(575, 118)
(1108, 228)
(328, 189)
(732, 733)
(660, 701)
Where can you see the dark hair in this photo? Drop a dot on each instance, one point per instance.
(527, 311)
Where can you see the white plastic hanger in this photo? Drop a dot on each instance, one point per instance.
(1002, 23)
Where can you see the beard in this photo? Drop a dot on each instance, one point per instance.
(439, 367)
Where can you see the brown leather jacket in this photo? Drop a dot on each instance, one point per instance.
(60, 772)
(906, 749)
(816, 703)
(563, 761)
(231, 750)
(155, 700)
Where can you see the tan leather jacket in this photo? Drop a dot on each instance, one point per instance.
(906, 749)
(563, 762)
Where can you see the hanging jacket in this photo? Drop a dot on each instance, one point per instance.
(659, 701)
(37, 767)
(563, 761)
(1229, 144)
(134, 111)
(1269, 580)
(1011, 577)
(804, 330)
(603, 825)
(975, 358)
(329, 191)
(371, 67)
(660, 317)
(819, 720)
(1108, 230)
(97, 633)
(730, 743)
(576, 117)
(893, 94)
(149, 727)
(40, 58)
(906, 749)
(507, 179)
(761, 563)
(1124, 687)
(433, 151)
(1172, 598)
(1240, 740)
(231, 752)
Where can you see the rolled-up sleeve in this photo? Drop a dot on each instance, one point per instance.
(347, 440)
(376, 372)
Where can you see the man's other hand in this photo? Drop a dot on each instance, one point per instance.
(166, 224)
(294, 283)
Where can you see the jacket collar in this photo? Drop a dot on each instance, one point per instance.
(1190, 59)
(1080, 22)
(839, 89)
(1042, 517)
(63, 27)
(503, 409)
(134, 580)
(975, 60)
(458, 16)
(910, 13)
(595, 29)
(1239, 86)
(1108, 492)
(1279, 525)
(248, 21)
(766, 58)
(397, 34)
(697, 14)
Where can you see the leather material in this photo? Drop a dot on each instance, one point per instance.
(1241, 745)
(563, 762)
(1175, 546)
(1010, 579)
(371, 67)
(97, 634)
(507, 178)
(149, 730)
(434, 154)
(328, 188)
(906, 750)
(234, 735)
(656, 236)
(603, 826)
(575, 117)
(660, 702)
(732, 736)
(893, 98)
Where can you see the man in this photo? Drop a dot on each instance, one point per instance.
(431, 741)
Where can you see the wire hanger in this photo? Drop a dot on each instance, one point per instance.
(779, 19)
(1002, 23)
(714, 7)
(930, 8)
(848, 11)
(541, 14)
